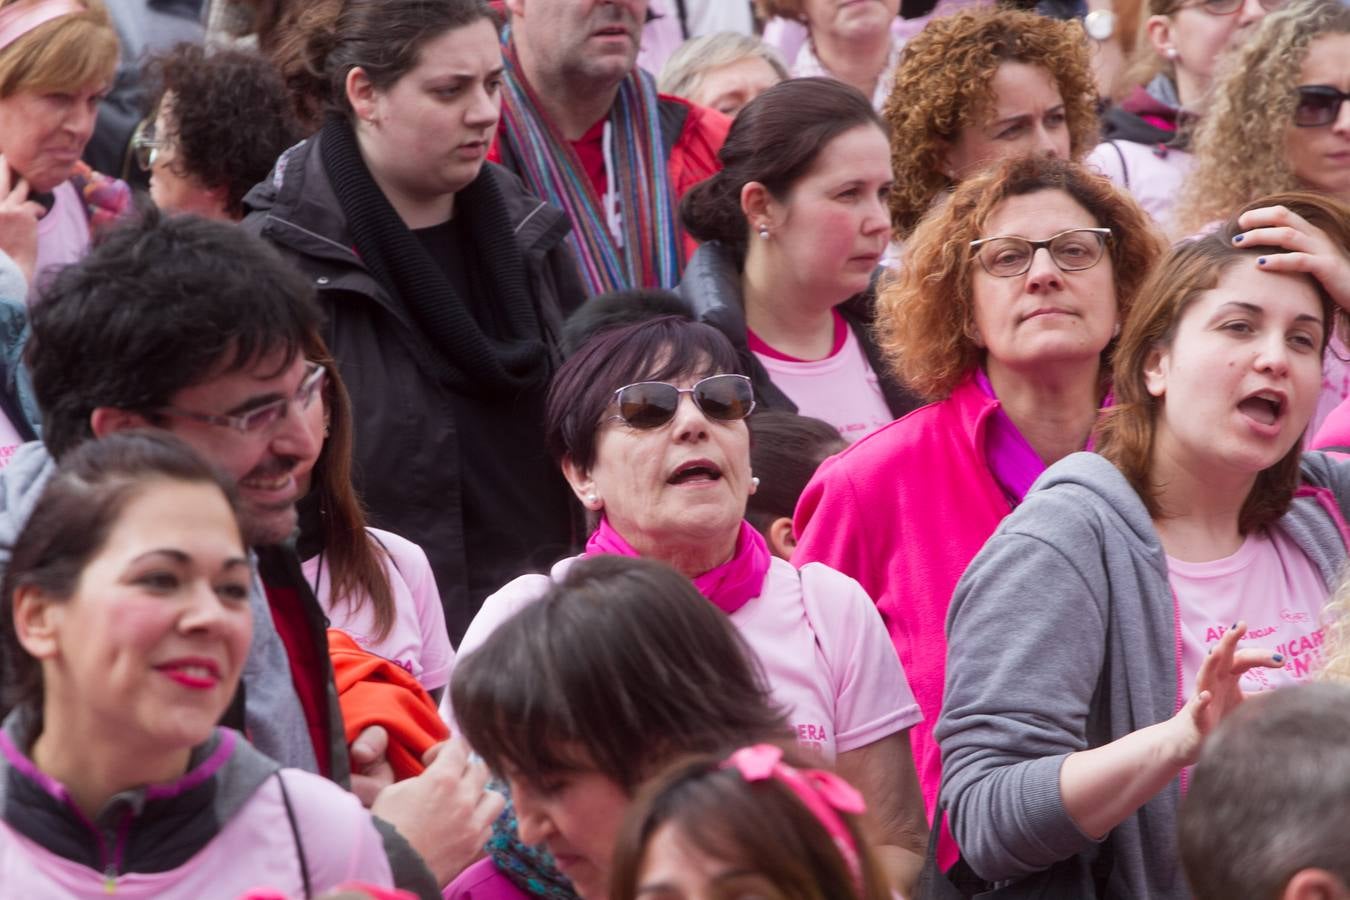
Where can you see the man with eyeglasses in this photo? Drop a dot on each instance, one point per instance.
(200, 329)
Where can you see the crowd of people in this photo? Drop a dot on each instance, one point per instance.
(674, 449)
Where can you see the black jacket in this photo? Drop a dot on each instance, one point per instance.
(712, 286)
(407, 450)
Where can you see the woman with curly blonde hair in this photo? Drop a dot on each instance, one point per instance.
(1261, 134)
(979, 86)
(1277, 124)
(1003, 315)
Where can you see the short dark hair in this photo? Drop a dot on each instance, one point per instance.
(231, 117)
(785, 451)
(383, 37)
(774, 140)
(620, 667)
(760, 827)
(160, 304)
(1270, 795)
(618, 308)
(70, 524)
(652, 350)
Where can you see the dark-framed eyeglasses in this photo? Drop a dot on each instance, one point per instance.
(1228, 7)
(651, 404)
(1318, 104)
(262, 417)
(1072, 250)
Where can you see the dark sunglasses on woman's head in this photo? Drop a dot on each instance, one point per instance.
(651, 404)
(1318, 104)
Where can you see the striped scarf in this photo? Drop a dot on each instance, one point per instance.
(652, 251)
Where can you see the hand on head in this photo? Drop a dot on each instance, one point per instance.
(1310, 250)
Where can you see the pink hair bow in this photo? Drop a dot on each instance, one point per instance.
(823, 793)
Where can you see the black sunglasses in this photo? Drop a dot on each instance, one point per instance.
(1318, 104)
(651, 404)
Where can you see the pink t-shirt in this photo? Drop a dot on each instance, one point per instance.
(1271, 585)
(840, 389)
(418, 641)
(825, 652)
(10, 439)
(255, 850)
(63, 235)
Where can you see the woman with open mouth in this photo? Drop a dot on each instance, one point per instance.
(648, 424)
(1126, 606)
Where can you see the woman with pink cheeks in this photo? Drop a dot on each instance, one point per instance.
(793, 228)
(1010, 340)
(126, 625)
(56, 63)
(1139, 592)
(648, 424)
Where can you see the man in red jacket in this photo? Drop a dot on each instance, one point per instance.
(585, 129)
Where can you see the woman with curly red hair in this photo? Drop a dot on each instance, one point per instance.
(1004, 315)
(983, 85)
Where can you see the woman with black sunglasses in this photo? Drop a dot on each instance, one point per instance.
(1147, 135)
(1277, 123)
(648, 424)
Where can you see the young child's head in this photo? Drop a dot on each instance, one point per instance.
(785, 451)
(1268, 810)
(745, 825)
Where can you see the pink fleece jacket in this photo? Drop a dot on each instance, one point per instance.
(904, 511)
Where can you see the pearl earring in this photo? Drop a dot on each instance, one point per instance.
(592, 498)
(1170, 53)
(754, 481)
(763, 232)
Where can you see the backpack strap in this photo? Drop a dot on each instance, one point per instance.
(295, 833)
(1124, 166)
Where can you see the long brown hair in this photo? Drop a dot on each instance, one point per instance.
(355, 560)
(1126, 433)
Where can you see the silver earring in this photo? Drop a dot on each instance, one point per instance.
(763, 232)
(1115, 332)
(754, 481)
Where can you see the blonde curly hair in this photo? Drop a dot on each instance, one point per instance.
(925, 316)
(942, 85)
(1239, 145)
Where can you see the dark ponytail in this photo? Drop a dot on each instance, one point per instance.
(774, 140)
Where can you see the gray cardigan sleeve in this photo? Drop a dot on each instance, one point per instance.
(1026, 635)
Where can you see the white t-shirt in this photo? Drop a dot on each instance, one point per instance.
(419, 641)
(841, 389)
(820, 640)
(10, 440)
(1270, 584)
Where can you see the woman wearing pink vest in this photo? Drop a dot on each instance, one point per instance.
(1012, 345)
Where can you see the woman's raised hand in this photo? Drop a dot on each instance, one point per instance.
(1310, 250)
(18, 221)
(1217, 692)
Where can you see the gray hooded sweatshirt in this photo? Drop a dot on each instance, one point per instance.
(1071, 595)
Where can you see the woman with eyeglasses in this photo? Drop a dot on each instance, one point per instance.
(1279, 122)
(1125, 607)
(1147, 136)
(219, 123)
(57, 59)
(1004, 316)
(793, 228)
(444, 284)
(648, 424)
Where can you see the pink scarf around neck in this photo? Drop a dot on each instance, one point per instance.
(729, 586)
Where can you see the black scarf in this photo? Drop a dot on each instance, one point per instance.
(471, 362)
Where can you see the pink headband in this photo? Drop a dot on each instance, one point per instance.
(824, 794)
(21, 18)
